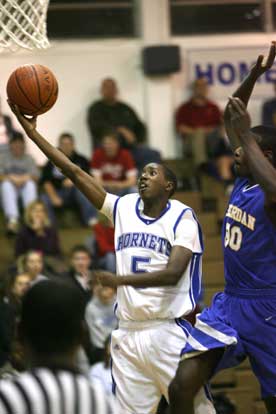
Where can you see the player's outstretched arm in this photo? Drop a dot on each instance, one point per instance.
(245, 90)
(85, 183)
(261, 168)
(178, 262)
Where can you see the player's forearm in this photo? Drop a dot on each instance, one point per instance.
(243, 92)
(85, 183)
(166, 277)
(52, 153)
(260, 167)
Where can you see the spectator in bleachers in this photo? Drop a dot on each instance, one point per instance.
(18, 175)
(114, 166)
(197, 122)
(100, 318)
(37, 232)
(33, 264)
(60, 191)
(6, 132)
(101, 371)
(79, 274)
(109, 112)
(269, 110)
(10, 311)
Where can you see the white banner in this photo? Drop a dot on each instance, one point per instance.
(226, 68)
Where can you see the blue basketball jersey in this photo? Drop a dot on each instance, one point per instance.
(249, 239)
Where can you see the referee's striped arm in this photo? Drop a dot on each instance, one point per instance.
(43, 391)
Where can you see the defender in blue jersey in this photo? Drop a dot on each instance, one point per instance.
(241, 321)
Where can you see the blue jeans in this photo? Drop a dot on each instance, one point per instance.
(71, 196)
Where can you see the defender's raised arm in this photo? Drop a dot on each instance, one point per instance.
(245, 90)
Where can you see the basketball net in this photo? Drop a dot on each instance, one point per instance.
(23, 24)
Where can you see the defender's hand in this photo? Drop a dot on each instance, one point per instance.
(29, 124)
(264, 62)
(239, 116)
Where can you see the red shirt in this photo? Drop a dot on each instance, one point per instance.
(113, 169)
(104, 236)
(196, 116)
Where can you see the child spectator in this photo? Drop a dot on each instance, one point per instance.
(19, 174)
(79, 274)
(32, 263)
(114, 166)
(100, 318)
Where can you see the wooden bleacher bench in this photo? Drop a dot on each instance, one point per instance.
(213, 273)
(209, 223)
(259, 408)
(241, 397)
(211, 187)
(225, 378)
(247, 377)
(213, 248)
(210, 292)
(191, 198)
(71, 236)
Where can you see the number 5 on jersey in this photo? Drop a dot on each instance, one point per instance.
(138, 264)
(233, 237)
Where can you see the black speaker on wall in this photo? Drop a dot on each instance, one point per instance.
(161, 59)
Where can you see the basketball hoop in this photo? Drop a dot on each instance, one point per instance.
(23, 24)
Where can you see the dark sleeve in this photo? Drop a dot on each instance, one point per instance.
(47, 173)
(97, 122)
(21, 243)
(55, 242)
(7, 328)
(138, 127)
(84, 164)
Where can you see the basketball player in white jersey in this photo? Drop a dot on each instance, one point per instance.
(158, 246)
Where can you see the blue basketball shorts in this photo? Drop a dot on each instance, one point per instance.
(244, 323)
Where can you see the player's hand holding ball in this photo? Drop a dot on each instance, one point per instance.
(29, 124)
(32, 90)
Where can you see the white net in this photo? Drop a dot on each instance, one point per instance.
(23, 24)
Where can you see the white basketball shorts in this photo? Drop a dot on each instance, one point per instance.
(145, 356)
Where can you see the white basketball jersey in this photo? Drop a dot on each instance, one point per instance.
(143, 244)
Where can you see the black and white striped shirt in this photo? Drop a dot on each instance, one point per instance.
(45, 391)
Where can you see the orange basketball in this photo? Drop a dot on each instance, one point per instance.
(33, 88)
